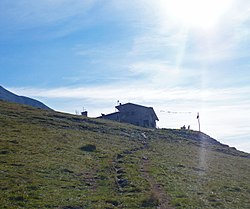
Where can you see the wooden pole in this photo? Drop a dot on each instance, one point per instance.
(198, 118)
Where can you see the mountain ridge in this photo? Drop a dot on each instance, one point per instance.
(7, 95)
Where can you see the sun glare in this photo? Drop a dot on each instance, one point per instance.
(198, 13)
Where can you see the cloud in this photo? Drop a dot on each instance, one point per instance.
(164, 37)
(154, 61)
(154, 66)
(142, 15)
(27, 13)
(44, 19)
(210, 97)
(224, 112)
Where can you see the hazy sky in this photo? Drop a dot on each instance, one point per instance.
(174, 55)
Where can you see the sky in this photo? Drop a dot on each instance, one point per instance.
(180, 57)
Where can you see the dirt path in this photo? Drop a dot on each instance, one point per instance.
(156, 188)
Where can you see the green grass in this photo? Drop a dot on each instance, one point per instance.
(44, 164)
(199, 177)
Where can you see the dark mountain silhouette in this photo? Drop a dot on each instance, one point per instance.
(11, 97)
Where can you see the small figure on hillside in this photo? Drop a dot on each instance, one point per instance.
(188, 127)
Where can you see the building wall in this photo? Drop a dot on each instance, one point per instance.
(139, 116)
(133, 114)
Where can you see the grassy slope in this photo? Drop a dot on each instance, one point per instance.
(42, 165)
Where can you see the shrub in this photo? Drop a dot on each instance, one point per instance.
(89, 148)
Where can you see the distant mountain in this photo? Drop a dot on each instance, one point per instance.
(10, 97)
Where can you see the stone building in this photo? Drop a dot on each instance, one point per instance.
(134, 114)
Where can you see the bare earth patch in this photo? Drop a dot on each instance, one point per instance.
(156, 188)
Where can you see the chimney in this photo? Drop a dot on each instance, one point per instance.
(85, 113)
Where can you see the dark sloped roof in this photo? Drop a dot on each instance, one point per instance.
(109, 115)
(150, 109)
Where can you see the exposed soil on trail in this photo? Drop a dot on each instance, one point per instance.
(156, 188)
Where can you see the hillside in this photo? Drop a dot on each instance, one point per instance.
(55, 160)
(10, 97)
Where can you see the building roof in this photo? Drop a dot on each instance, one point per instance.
(150, 109)
(108, 115)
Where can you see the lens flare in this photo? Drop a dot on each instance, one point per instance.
(198, 13)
